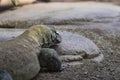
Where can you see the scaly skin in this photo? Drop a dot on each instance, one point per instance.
(20, 56)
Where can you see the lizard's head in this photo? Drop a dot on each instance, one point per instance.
(4, 75)
(52, 38)
(56, 38)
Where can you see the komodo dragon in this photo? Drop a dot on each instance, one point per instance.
(24, 56)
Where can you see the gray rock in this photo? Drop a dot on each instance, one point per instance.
(19, 56)
(8, 34)
(26, 16)
(77, 47)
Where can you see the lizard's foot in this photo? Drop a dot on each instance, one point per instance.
(49, 59)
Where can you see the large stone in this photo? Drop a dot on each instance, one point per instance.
(68, 13)
(8, 34)
(19, 56)
(75, 47)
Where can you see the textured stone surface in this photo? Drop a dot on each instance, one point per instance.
(77, 46)
(54, 13)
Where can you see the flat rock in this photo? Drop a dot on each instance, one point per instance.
(8, 34)
(54, 13)
(78, 47)
(76, 43)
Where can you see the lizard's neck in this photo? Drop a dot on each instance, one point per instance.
(33, 36)
(39, 34)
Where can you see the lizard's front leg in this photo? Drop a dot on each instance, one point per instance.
(49, 59)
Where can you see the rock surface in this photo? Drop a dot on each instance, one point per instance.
(54, 13)
(77, 47)
(76, 44)
(8, 34)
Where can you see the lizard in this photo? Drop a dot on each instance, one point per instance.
(25, 55)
